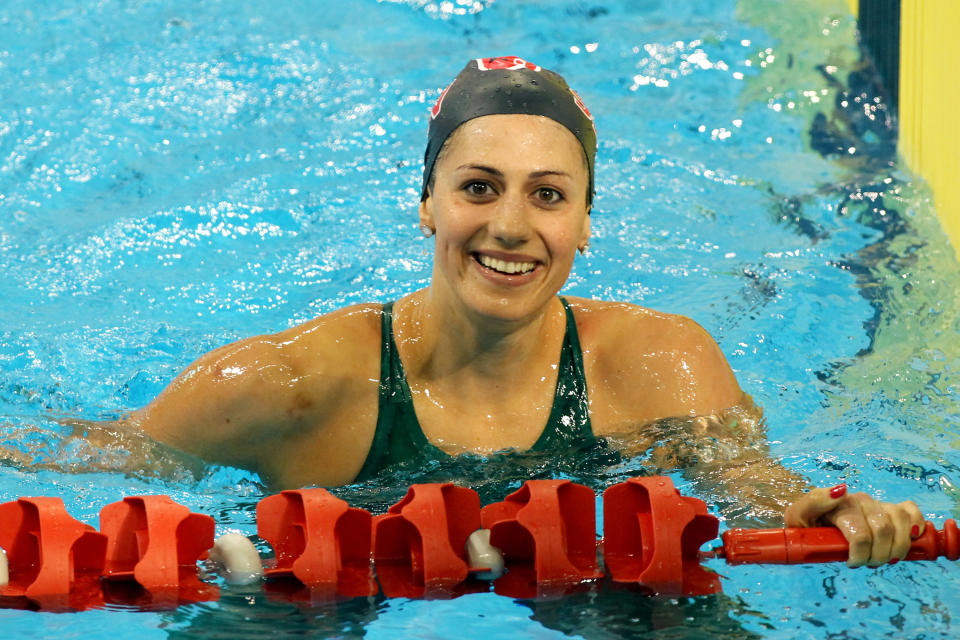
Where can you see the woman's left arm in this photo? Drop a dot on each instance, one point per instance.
(727, 458)
(725, 448)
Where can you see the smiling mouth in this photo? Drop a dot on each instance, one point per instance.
(503, 266)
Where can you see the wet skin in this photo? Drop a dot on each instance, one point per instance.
(479, 345)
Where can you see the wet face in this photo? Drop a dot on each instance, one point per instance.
(508, 204)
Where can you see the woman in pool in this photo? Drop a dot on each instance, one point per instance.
(487, 357)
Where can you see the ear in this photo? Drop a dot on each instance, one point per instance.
(585, 231)
(426, 211)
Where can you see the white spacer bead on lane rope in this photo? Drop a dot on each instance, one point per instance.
(484, 554)
(239, 559)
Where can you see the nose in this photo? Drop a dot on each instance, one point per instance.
(509, 223)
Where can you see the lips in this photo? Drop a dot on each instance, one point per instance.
(505, 266)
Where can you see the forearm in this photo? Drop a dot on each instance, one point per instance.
(83, 446)
(726, 457)
(752, 490)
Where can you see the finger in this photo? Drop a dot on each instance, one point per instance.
(881, 530)
(867, 528)
(918, 523)
(909, 524)
(813, 505)
(852, 523)
(900, 518)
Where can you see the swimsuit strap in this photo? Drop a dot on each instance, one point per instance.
(398, 436)
(569, 420)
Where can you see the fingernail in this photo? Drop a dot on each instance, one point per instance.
(894, 560)
(915, 531)
(838, 491)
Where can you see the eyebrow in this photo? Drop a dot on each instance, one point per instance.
(499, 174)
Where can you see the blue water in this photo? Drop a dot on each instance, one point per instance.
(176, 175)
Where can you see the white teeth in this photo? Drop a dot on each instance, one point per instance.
(505, 267)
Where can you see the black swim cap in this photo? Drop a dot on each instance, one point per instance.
(488, 86)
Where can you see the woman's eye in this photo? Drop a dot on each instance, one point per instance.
(547, 195)
(477, 188)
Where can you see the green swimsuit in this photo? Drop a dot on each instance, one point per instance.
(399, 438)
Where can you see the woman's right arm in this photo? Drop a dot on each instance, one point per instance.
(279, 404)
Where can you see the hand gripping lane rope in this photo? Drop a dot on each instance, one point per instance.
(436, 542)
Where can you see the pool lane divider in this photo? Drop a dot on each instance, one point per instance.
(437, 542)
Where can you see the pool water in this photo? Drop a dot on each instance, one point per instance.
(176, 175)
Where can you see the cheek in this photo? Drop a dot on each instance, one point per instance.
(454, 228)
(564, 239)
(451, 228)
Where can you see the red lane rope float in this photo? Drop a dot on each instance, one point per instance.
(156, 542)
(545, 530)
(319, 540)
(652, 537)
(419, 545)
(54, 560)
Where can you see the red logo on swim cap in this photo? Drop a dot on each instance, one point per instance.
(435, 111)
(510, 63)
(583, 107)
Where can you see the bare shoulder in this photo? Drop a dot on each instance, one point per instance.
(619, 325)
(351, 334)
(643, 365)
(334, 344)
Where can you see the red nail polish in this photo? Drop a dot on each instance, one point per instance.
(915, 531)
(838, 491)
(894, 560)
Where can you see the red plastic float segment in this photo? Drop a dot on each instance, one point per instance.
(53, 558)
(419, 545)
(319, 540)
(825, 544)
(652, 536)
(547, 533)
(157, 542)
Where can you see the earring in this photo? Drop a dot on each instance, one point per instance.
(426, 231)
(584, 248)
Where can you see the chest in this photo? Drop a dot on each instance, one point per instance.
(484, 416)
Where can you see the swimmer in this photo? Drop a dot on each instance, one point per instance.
(488, 357)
